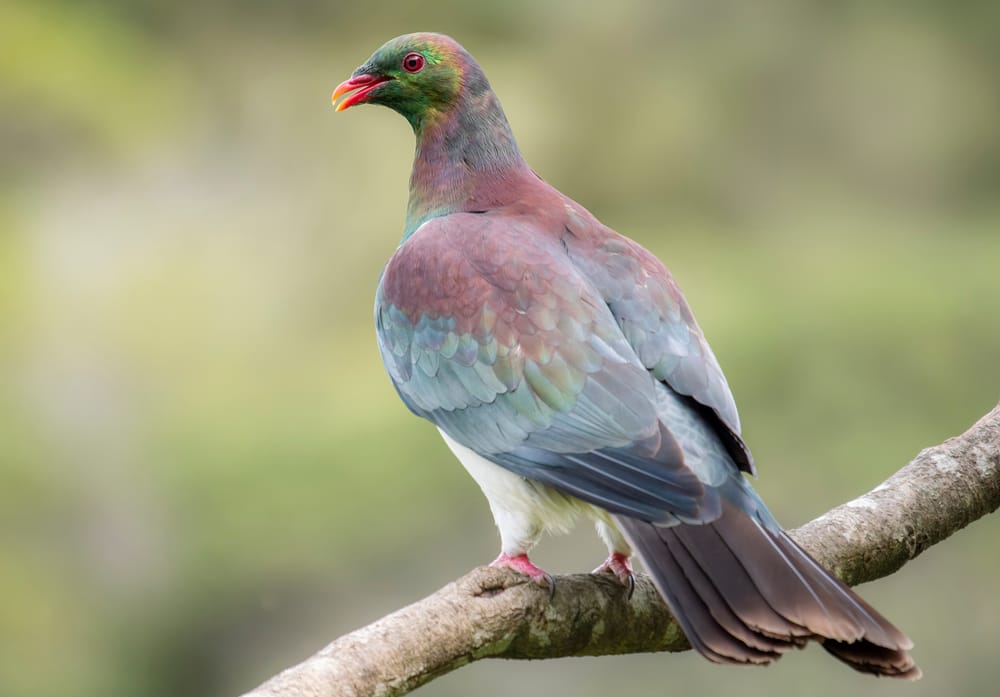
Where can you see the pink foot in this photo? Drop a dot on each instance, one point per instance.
(621, 566)
(523, 565)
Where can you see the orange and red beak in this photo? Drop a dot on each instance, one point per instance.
(360, 85)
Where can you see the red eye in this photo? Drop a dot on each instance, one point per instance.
(413, 63)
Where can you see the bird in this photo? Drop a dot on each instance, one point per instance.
(565, 370)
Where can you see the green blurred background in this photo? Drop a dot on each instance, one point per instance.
(205, 474)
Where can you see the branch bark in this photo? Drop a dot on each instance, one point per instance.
(495, 613)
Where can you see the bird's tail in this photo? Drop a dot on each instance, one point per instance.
(744, 592)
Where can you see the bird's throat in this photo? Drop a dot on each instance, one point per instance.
(466, 160)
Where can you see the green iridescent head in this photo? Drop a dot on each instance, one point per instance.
(417, 75)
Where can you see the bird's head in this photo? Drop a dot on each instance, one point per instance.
(417, 75)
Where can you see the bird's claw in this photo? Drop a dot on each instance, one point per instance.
(620, 566)
(521, 564)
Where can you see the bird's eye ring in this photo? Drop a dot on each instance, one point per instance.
(413, 62)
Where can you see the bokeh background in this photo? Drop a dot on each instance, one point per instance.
(204, 473)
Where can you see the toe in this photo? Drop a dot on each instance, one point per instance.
(523, 565)
(620, 566)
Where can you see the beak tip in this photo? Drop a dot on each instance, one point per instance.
(360, 85)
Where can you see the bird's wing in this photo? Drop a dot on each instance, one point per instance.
(655, 319)
(488, 330)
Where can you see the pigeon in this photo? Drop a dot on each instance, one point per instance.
(564, 368)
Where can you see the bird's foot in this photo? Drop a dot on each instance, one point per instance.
(523, 565)
(621, 566)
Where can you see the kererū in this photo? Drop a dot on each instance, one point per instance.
(565, 370)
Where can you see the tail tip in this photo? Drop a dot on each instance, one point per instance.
(866, 657)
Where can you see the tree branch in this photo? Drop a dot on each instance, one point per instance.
(494, 613)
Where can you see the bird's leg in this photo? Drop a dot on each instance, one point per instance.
(523, 565)
(619, 560)
(519, 532)
(621, 566)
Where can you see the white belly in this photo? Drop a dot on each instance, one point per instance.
(523, 509)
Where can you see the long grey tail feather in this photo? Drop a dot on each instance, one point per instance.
(746, 594)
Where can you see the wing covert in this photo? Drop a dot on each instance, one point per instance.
(655, 319)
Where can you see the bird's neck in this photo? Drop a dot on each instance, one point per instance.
(466, 160)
